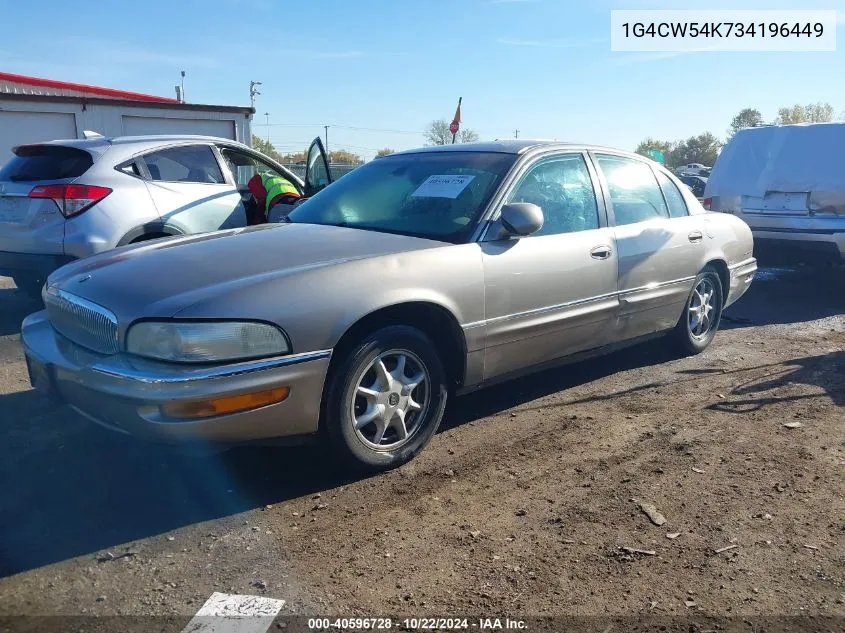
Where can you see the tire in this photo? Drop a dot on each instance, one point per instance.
(148, 236)
(346, 412)
(29, 285)
(692, 335)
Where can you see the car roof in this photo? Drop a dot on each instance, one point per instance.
(512, 146)
(99, 144)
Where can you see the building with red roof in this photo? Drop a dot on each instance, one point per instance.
(34, 109)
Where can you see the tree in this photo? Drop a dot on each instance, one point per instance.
(467, 136)
(344, 157)
(747, 117)
(292, 158)
(266, 148)
(437, 133)
(384, 152)
(703, 149)
(812, 113)
(665, 147)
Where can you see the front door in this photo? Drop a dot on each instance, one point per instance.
(318, 175)
(190, 191)
(552, 293)
(660, 245)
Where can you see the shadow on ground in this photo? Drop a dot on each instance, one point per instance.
(826, 371)
(15, 305)
(70, 488)
(795, 294)
(73, 488)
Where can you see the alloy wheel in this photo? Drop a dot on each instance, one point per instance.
(390, 400)
(700, 312)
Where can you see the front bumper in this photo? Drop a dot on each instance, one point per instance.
(124, 393)
(31, 264)
(741, 275)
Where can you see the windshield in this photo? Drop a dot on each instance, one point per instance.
(437, 195)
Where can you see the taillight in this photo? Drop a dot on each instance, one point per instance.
(71, 199)
(707, 203)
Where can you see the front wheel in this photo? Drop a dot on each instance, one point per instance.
(385, 399)
(702, 313)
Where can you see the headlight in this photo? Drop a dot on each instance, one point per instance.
(205, 342)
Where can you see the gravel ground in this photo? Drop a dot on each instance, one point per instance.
(529, 500)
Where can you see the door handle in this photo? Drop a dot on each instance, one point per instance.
(601, 252)
(696, 236)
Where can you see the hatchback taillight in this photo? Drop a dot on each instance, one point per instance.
(707, 203)
(71, 199)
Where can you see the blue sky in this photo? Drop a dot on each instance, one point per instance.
(542, 66)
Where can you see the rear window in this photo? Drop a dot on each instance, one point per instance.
(46, 162)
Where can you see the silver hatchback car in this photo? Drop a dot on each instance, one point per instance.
(65, 200)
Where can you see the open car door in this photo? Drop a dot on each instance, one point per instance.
(317, 173)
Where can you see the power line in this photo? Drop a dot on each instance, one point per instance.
(342, 127)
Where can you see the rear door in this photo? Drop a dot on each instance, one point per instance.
(36, 225)
(318, 176)
(190, 190)
(660, 252)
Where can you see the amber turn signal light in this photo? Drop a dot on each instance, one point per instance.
(222, 406)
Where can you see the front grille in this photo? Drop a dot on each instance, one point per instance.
(82, 321)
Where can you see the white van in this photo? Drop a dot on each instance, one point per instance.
(788, 183)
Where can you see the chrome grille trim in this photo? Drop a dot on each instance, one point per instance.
(82, 321)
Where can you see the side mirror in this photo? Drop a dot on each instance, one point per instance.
(521, 218)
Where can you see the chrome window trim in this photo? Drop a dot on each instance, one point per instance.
(206, 373)
(570, 304)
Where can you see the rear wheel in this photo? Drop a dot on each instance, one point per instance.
(702, 313)
(29, 284)
(385, 399)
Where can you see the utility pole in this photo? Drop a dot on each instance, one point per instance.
(516, 133)
(253, 92)
(326, 127)
(267, 115)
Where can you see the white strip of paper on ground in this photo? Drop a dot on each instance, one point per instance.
(227, 613)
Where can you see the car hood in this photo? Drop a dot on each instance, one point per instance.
(162, 277)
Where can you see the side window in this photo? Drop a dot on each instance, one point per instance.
(633, 190)
(130, 168)
(561, 186)
(675, 199)
(244, 166)
(190, 163)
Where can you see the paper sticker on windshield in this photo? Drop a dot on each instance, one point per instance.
(442, 186)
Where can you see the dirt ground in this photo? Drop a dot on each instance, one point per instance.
(526, 503)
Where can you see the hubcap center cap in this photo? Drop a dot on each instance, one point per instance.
(393, 399)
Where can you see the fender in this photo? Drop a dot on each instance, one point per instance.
(149, 227)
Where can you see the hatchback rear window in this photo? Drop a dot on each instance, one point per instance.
(46, 162)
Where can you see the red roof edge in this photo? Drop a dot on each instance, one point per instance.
(93, 90)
